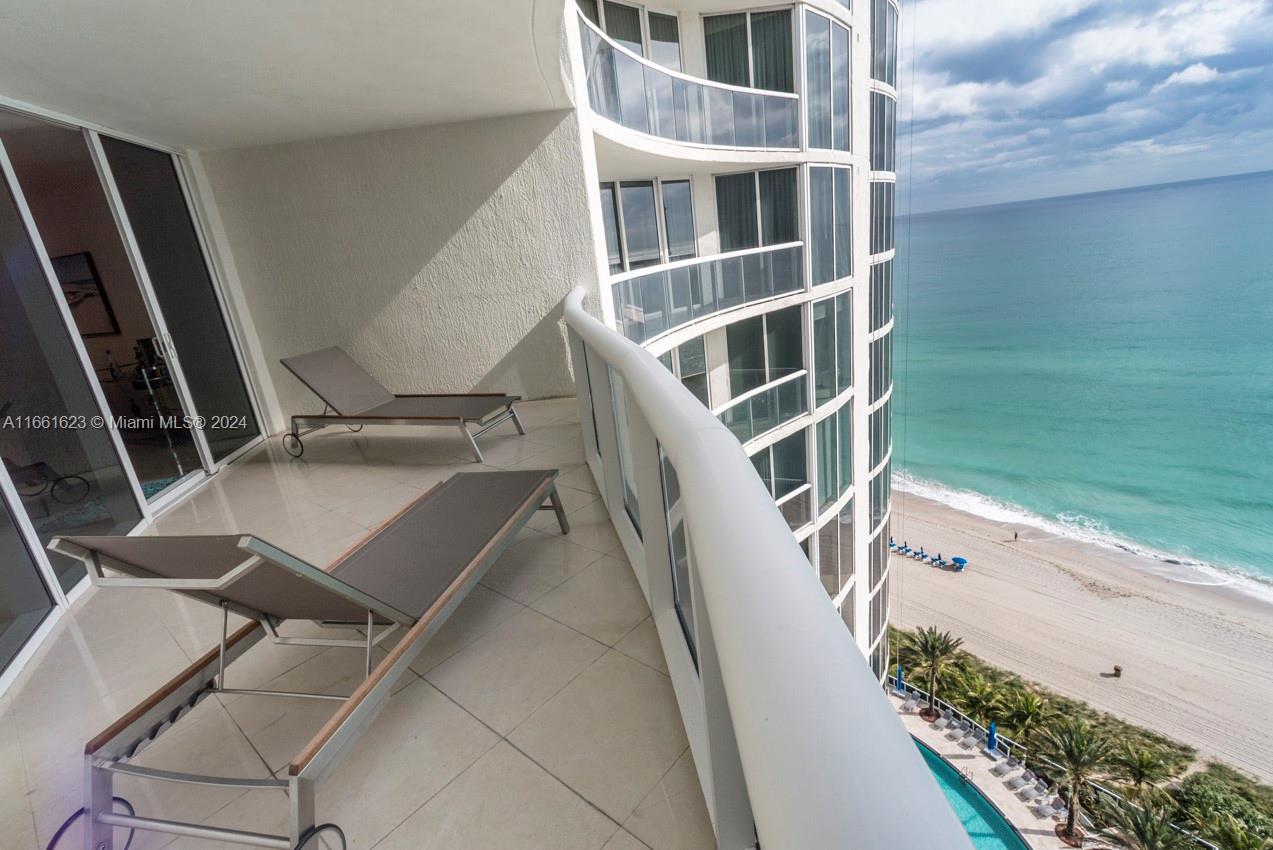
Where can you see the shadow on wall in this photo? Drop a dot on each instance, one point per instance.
(437, 256)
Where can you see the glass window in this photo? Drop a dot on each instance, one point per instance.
(665, 40)
(840, 66)
(884, 41)
(829, 223)
(879, 556)
(844, 428)
(881, 294)
(610, 220)
(881, 366)
(881, 432)
(589, 9)
(790, 464)
(679, 553)
(778, 220)
(771, 51)
(745, 344)
(623, 24)
(725, 40)
(622, 433)
(760, 461)
(883, 132)
(155, 205)
(823, 350)
(881, 217)
(829, 557)
(880, 494)
(828, 460)
(24, 599)
(847, 548)
(736, 211)
(70, 480)
(817, 53)
(848, 614)
(783, 338)
(678, 217)
(843, 342)
(692, 363)
(761, 61)
(640, 226)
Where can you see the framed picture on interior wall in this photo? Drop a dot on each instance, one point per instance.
(82, 288)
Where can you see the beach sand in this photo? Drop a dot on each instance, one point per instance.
(1197, 660)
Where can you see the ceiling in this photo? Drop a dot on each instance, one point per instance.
(235, 73)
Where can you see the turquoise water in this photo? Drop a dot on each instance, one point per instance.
(983, 823)
(1100, 365)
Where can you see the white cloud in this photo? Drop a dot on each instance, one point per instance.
(962, 24)
(1196, 74)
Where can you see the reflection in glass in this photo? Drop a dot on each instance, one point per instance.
(665, 41)
(817, 57)
(745, 345)
(725, 37)
(679, 552)
(623, 436)
(678, 218)
(640, 226)
(610, 222)
(736, 211)
(69, 480)
(24, 600)
(157, 212)
(623, 24)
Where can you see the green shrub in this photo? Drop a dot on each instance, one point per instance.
(1221, 791)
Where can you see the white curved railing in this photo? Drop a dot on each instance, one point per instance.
(793, 740)
(652, 301)
(640, 95)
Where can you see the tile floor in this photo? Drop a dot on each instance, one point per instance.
(541, 716)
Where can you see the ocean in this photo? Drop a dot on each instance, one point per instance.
(1099, 365)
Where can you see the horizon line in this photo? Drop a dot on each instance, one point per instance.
(1093, 193)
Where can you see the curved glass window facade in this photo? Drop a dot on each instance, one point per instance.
(882, 194)
(884, 42)
(881, 294)
(881, 432)
(881, 366)
(883, 132)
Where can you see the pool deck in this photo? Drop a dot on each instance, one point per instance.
(1037, 832)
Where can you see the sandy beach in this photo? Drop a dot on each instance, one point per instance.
(1197, 660)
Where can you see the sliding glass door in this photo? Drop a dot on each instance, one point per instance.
(63, 460)
(176, 269)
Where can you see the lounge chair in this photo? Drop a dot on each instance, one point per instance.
(356, 399)
(1040, 789)
(912, 702)
(943, 721)
(958, 730)
(1044, 809)
(1006, 766)
(1021, 781)
(406, 577)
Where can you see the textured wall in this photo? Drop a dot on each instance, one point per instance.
(437, 256)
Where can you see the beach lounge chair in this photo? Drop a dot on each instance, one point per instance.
(1044, 809)
(958, 730)
(406, 578)
(943, 721)
(356, 399)
(1021, 781)
(911, 703)
(1035, 792)
(1006, 766)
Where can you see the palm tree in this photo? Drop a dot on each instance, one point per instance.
(931, 654)
(978, 698)
(1142, 768)
(1232, 834)
(1081, 753)
(1024, 711)
(1146, 827)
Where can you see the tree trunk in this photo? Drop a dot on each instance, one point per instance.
(1072, 819)
(932, 692)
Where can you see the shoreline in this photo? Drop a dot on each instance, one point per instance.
(1197, 658)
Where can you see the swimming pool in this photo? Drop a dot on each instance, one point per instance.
(982, 821)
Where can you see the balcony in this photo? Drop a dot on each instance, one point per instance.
(646, 98)
(584, 695)
(652, 301)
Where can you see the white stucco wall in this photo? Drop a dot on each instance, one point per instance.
(437, 256)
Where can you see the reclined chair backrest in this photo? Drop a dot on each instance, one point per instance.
(338, 380)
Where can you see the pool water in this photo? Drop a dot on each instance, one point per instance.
(983, 823)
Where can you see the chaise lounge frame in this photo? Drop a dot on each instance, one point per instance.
(109, 753)
(355, 399)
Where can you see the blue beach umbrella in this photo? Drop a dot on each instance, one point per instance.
(993, 737)
(960, 561)
(901, 681)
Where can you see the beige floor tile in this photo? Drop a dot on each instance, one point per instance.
(536, 564)
(623, 840)
(552, 458)
(16, 823)
(505, 675)
(610, 734)
(565, 435)
(642, 643)
(482, 610)
(590, 526)
(603, 601)
(504, 802)
(257, 811)
(580, 478)
(418, 744)
(674, 816)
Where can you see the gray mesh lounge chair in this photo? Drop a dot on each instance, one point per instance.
(408, 575)
(356, 399)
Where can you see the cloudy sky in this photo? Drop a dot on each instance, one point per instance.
(1018, 99)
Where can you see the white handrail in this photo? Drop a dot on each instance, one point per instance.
(825, 760)
(694, 261)
(698, 81)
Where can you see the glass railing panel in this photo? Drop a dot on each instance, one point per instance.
(649, 304)
(767, 409)
(798, 510)
(648, 98)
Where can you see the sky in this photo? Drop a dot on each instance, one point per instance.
(1017, 99)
